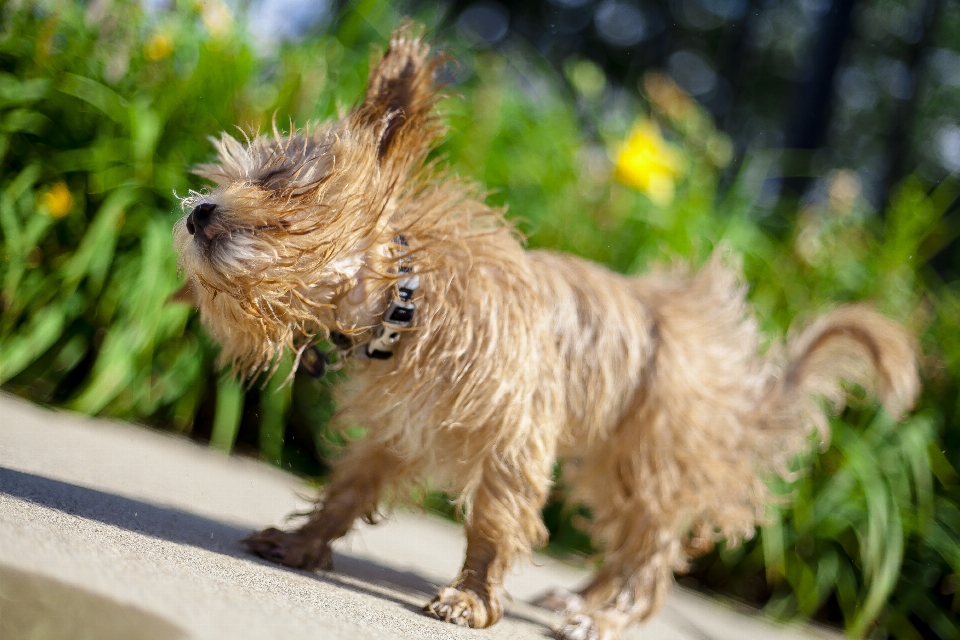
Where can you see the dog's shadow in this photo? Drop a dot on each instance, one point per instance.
(182, 527)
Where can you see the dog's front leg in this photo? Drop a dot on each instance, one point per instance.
(472, 600)
(503, 524)
(358, 481)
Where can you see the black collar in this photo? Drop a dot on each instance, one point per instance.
(398, 316)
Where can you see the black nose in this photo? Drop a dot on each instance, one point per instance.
(200, 217)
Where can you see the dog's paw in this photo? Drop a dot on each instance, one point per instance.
(291, 549)
(578, 627)
(561, 601)
(462, 608)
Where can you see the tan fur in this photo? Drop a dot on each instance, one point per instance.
(653, 390)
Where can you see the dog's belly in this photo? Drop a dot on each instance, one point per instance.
(606, 339)
(553, 359)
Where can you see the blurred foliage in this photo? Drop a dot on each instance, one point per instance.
(104, 107)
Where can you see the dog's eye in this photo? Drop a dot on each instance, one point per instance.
(267, 179)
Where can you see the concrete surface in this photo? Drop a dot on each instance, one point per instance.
(109, 530)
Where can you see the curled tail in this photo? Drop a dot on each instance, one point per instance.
(857, 344)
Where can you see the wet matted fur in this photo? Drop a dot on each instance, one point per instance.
(654, 391)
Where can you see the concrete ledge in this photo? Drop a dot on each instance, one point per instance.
(109, 530)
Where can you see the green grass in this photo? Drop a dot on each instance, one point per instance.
(870, 536)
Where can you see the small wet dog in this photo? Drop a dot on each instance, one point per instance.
(478, 365)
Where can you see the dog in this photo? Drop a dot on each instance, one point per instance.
(479, 365)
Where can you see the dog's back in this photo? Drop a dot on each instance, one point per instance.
(709, 410)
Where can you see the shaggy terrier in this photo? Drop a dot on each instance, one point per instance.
(479, 365)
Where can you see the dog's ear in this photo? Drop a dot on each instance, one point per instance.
(401, 95)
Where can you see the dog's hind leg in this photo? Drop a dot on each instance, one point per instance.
(640, 518)
(358, 482)
(502, 525)
(630, 586)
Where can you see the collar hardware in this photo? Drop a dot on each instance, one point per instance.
(399, 315)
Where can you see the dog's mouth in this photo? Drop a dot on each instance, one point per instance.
(210, 234)
(205, 235)
(203, 224)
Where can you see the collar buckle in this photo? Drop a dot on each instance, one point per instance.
(398, 316)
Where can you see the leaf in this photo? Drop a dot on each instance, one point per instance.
(92, 258)
(14, 91)
(112, 371)
(42, 332)
(916, 437)
(773, 549)
(226, 420)
(24, 180)
(25, 121)
(98, 95)
(936, 619)
(274, 404)
(883, 578)
(145, 132)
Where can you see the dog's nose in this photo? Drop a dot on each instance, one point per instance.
(200, 217)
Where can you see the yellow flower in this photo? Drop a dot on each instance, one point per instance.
(58, 200)
(158, 47)
(649, 163)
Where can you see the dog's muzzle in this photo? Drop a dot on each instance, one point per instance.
(199, 220)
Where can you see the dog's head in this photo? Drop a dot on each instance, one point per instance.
(293, 219)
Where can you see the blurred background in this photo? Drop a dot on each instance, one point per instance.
(819, 138)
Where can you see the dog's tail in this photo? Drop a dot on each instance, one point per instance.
(853, 343)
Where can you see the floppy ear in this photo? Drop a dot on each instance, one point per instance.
(400, 98)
